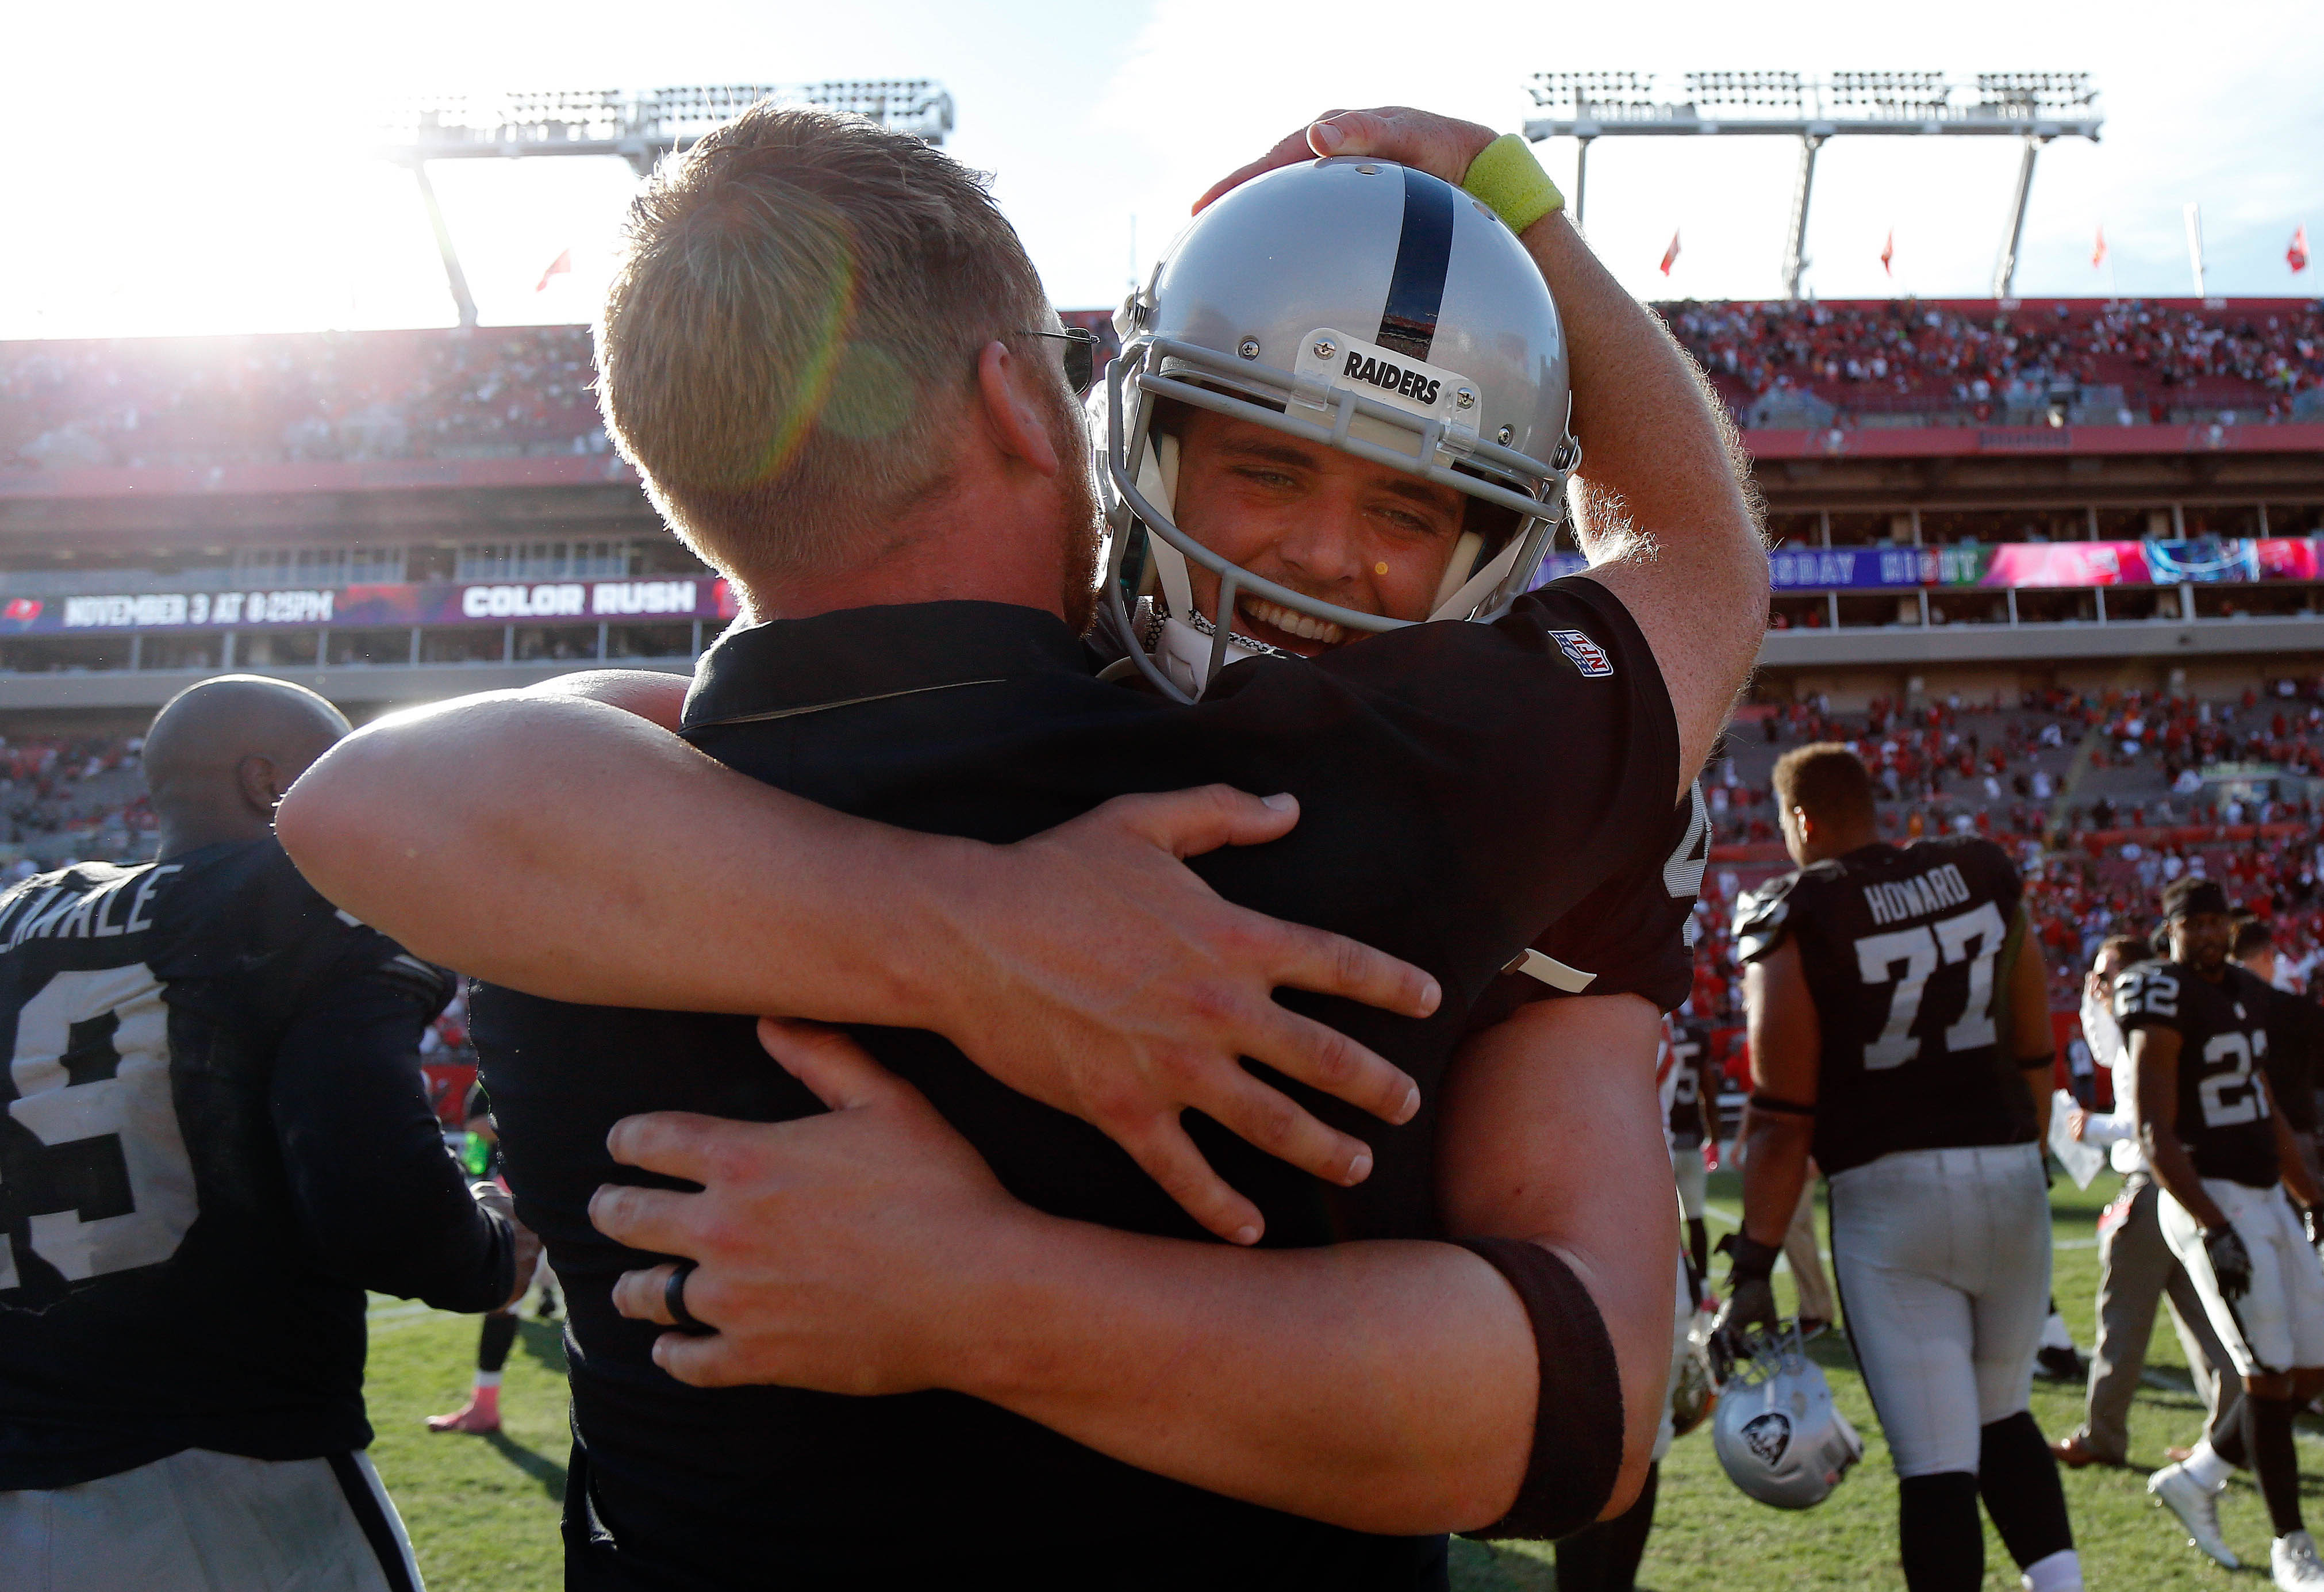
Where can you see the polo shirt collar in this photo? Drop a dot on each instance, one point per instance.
(857, 654)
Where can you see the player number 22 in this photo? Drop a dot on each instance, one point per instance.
(2230, 1097)
(1973, 937)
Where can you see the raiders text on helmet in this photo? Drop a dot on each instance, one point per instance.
(1355, 303)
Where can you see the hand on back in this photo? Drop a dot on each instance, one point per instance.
(1110, 982)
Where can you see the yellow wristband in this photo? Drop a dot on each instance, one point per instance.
(1509, 179)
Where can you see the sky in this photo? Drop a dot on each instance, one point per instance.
(195, 169)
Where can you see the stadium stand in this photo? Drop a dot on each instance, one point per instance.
(523, 392)
(2079, 362)
(503, 392)
(2056, 566)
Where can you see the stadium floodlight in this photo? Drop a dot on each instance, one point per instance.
(2032, 107)
(639, 127)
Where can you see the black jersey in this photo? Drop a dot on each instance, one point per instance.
(2222, 1028)
(1462, 787)
(1899, 947)
(2295, 1056)
(1691, 1084)
(1633, 935)
(216, 1135)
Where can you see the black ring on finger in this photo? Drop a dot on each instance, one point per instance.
(673, 1299)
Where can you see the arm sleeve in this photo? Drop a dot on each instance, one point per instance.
(375, 1191)
(1633, 935)
(1504, 770)
(1577, 1441)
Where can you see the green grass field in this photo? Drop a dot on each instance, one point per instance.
(483, 1511)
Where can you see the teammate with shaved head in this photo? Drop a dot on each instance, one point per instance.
(215, 1138)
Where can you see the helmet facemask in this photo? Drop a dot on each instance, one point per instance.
(1325, 405)
(1349, 304)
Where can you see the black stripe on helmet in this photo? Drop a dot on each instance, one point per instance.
(1416, 291)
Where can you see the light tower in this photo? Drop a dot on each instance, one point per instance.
(2032, 107)
(639, 128)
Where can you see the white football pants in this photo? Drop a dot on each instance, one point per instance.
(1943, 1260)
(2279, 1324)
(203, 1521)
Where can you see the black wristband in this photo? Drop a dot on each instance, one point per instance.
(1749, 1260)
(1577, 1427)
(1777, 1103)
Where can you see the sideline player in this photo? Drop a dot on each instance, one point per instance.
(1217, 1400)
(1900, 1029)
(216, 1138)
(1689, 1114)
(2135, 1266)
(2198, 1034)
(2296, 1035)
(496, 1335)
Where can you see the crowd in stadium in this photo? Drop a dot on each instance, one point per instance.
(2102, 797)
(481, 392)
(1904, 357)
(73, 798)
(525, 389)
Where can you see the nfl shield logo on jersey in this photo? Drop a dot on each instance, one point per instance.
(1588, 656)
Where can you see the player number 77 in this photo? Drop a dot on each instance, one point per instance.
(1973, 937)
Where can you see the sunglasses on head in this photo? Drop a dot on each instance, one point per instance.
(1081, 356)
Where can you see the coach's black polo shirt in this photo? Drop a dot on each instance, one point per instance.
(1461, 785)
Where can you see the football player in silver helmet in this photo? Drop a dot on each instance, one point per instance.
(1245, 406)
(1687, 621)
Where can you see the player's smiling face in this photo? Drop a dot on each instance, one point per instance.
(1309, 517)
(2201, 940)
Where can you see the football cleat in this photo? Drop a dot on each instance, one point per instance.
(2196, 1509)
(2293, 1561)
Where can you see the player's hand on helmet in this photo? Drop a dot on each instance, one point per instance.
(1442, 146)
(2231, 1264)
(832, 1252)
(1111, 982)
(1750, 1293)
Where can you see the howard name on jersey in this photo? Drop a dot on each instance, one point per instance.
(2222, 1028)
(1900, 946)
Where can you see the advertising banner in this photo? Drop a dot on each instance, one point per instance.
(353, 607)
(2024, 564)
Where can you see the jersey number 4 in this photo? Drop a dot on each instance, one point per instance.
(1973, 937)
(92, 1076)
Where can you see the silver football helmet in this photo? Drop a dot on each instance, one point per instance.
(1350, 302)
(1777, 1431)
(1694, 1383)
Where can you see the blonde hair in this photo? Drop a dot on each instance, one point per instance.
(792, 330)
